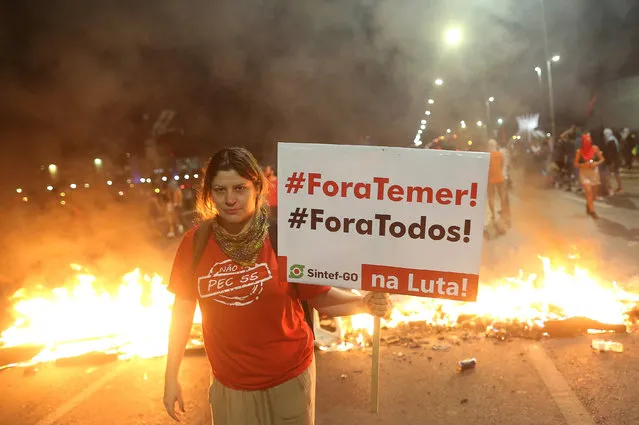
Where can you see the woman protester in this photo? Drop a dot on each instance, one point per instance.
(259, 346)
(587, 159)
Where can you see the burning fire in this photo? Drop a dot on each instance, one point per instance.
(133, 321)
(82, 318)
(556, 294)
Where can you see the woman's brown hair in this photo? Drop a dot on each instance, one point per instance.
(235, 159)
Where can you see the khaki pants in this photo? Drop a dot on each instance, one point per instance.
(290, 403)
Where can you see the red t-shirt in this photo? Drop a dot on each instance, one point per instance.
(254, 330)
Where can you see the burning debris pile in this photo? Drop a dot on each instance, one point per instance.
(89, 318)
(558, 302)
(84, 319)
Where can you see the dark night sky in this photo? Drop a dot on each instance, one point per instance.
(75, 73)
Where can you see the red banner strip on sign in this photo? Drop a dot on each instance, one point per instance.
(420, 283)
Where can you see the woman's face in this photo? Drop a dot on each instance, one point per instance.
(234, 197)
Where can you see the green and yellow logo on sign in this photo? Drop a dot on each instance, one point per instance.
(296, 271)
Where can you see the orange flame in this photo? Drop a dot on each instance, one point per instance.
(80, 318)
(133, 320)
(557, 294)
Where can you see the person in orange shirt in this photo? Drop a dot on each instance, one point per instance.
(259, 346)
(496, 181)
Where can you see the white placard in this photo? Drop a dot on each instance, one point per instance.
(397, 220)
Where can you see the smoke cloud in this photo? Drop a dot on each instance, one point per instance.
(255, 73)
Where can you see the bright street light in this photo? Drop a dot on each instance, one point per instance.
(439, 81)
(427, 112)
(419, 131)
(431, 101)
(491, 99)
(19, 190)
(479, 123)
(97, 162)
(538, 70)
(53, 168)
(448, 130)
(463, 124)
(453, 36)
(423, 127)
(556, 58)
(500, 121)
(423, 122)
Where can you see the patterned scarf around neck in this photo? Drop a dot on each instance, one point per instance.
(244, 247)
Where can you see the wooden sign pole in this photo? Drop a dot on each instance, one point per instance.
(375, 370)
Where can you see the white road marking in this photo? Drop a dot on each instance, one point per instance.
(569, 405)
(57, 414)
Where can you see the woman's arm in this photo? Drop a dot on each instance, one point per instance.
(339, 302)
(567, 133)
(181, 323)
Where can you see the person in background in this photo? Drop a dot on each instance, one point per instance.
(587, 160)
(157, 207)
(272, 194)
(612, 153)
(259, 346)
(496, 181)
(505, 153)
(562, 171)
(174, 200)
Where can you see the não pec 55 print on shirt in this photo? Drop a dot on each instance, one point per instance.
(233, 285)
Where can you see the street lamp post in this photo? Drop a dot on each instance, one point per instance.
(551, 97)
(541, 91)
(548, 67)
(488, 102)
